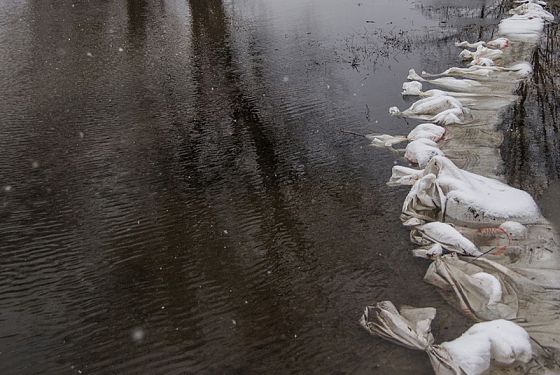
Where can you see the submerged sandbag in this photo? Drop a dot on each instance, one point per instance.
(473, 353)
(485, 290)
(448, 193)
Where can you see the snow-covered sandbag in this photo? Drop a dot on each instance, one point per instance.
(522, 27)
(470, 354)
(448, 193)
(500, 340)
(514, 230)
(421, 151)
(411, 328)
(481, 52)
(440, 109)
(404, 176)
(385, 140)
(446, 236)
(466, 44)
(429, 106)
(451, 83)
(484, 289)
(413, 88)
(532, 9)
(480, 293)
(428, 131)
(482, 61)
(479, 72)
(500, 43)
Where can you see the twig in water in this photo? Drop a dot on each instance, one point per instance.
(353, 133)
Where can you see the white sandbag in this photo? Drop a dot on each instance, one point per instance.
(448, 193)
(427, 131)
(485, 290)
(428, 106)
(470, 354)
(446, 236)
(385, 140)
(477, 72)
(430, 132)
(413, 88)
(466, 44)
(411, 328)
(522, 27)
(514, 230)
(404, 176)
(481, 52)
(421, 151)
(500, 340)
(482, 61)
(451, 83)
(532, 9)
(500, 43)
(490, 286)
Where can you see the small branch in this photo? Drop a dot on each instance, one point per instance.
(352, 133)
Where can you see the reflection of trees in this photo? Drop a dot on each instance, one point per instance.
(531, 148)
(137, 11)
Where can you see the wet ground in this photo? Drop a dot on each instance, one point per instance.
(177, 196)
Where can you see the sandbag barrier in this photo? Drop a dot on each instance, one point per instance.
(494, 256)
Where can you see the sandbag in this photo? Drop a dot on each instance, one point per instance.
(448, 193)
(444, 235)
(485, 290)
(473, 353)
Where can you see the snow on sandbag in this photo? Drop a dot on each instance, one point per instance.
(470, 354)
(500, 340)
(451, 83)
(429, 106)
(444, 235)
(421, 151)
(482, 61)
(385, 140)
(404, 176)
(479, 293)
(426, 131)
(532, 9)
(413, 88)
(466, 44)
(441, 109)
(514, 230)
(481, 52)
(478, 72)
(484, 289)
(448, 193)
(500, 43)
(522, 27)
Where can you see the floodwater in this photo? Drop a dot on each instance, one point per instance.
(177, 194)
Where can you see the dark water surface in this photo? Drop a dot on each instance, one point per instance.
(177, 196)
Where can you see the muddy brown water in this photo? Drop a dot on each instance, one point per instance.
(177, 196)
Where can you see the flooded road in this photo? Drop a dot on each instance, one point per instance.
(177, 196)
